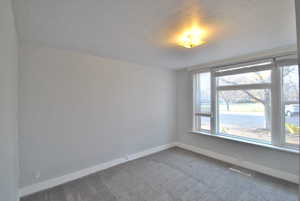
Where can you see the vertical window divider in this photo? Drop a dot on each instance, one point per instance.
(194, 80)
(276, 104)
(214, 116)
(198, 105)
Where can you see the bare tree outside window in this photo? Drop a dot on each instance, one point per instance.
(263, 97)
(250, 101)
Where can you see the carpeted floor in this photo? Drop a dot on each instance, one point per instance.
(172, 175)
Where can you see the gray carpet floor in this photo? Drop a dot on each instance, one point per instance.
(172, 175)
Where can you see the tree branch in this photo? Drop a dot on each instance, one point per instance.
(246, 92)
(253, 97)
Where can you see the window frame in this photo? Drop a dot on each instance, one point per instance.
(277, 121)
(209, 115)
(283, 141)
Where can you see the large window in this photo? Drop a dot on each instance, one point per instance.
(290, 100)
(255, 101)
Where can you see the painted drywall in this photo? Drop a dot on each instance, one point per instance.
(278, 160)
(8, 104)
(77, 111)
(297, 7)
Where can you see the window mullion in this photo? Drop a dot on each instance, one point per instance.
(199, 103)
(244, 87)
(213, 119)
(276, 103)
(194, 99)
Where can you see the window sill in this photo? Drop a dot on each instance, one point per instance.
(295, 151)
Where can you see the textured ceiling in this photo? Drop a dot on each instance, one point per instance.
(140, 30)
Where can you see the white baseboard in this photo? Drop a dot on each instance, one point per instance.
(81, 173)
(245, 164)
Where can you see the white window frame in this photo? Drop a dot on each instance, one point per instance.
(194, 105)
(282, 136)
(275, 86)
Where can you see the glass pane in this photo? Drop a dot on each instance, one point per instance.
(290, 90)
(204, 91)
(202, 101)
(245, 113)
(246, 78)
(205, 123)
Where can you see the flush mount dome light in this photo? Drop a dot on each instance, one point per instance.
(191, 38)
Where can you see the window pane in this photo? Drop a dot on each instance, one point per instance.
(290, 90)
(245, 113)
(202, 123)
(246, 78)
(204, 90)
(202, 101)
(205, 123)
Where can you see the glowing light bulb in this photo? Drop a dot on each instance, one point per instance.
(192, 37)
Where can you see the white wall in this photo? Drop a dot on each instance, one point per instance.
(77, 111)
(297, 6)
(8, 104)
(278, 160)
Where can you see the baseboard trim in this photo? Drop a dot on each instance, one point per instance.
(28, 190)
(245, 164)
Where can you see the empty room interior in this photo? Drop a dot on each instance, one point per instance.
(139, 100)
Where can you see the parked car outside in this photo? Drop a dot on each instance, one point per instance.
(291, 110)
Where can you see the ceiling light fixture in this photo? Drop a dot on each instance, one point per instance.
(192, 37)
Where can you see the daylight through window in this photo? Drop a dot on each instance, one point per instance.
(255, 101)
